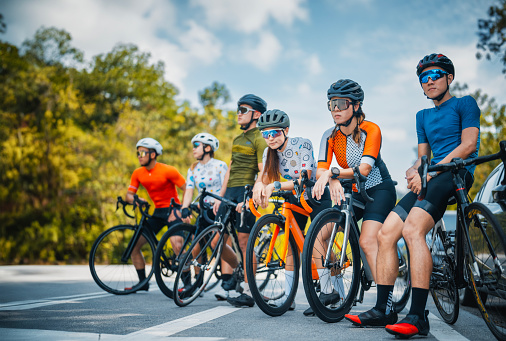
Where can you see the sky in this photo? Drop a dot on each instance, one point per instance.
(286, 51)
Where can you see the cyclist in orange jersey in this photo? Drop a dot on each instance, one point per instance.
(355, 142)
(160, 181)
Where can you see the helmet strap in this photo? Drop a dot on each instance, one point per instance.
(284, 142)
(246, 126)
(440, 97)
(347, 123)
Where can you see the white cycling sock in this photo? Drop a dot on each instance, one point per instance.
(325, 284)
(288, 282)
(337, 282)
(246, 289)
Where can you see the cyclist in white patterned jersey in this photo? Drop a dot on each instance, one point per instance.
(210, 173)
(285, 157)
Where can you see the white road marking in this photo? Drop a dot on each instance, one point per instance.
(442, 331)
(31, 304)
(176, 326)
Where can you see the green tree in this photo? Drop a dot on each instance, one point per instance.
(492, 34)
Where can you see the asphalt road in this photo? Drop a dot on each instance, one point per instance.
(63, 303)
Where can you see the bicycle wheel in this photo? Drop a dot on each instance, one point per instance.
(345, 280)
(489, 289)
(213, 282)
(197, 266)
(443, 288)
(168, 260)
(109, 271)
(268, 269)
(402, 286)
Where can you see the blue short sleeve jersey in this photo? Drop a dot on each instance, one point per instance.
(441, 127)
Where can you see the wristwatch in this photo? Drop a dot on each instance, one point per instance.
(432, 174)
(335, 172)
(277, 185)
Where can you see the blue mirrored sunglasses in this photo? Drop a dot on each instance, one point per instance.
(196, 144)
(432, 74)
(272, 133)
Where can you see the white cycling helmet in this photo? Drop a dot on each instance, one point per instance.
(206, 138)
(150, 143)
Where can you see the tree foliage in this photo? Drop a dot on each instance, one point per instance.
(68, 135)
(492, 34)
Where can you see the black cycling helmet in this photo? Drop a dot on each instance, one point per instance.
(273, 118)
(253, 101)
(346, 88)
(435, 59)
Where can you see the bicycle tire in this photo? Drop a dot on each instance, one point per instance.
(107, 269)
(402, 285)
(168, 261)
(201, 255)
(483, 224)
(350, 273)
(268, 286)
(443, 287)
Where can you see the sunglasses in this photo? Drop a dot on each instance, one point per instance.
(142, 153)
(433, 74)
(272, 133)
(196, 145)
(340, 103)
(244, 110)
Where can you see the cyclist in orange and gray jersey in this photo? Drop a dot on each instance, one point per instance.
(354, 142)
(160, 181)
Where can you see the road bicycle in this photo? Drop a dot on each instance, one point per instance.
(183, 234)
(332, 242)
(110, 256)
(275, 243)
(198, 264)
(474, 256)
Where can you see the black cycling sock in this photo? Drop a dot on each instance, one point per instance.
(141, 274)
(418, 302)
(225, 277)
(186, 277)
(384, 297)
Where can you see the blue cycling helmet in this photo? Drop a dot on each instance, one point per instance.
(253, 101)
(346, 88)
(435, 59)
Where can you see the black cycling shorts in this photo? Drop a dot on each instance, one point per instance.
(325, 202)
(160, 219)
(439, 190)
(236, 194)
(384, 200)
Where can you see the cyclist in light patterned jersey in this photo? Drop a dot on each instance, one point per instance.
(285, 157)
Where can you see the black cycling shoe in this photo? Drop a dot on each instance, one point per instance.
(231, 284)
(372, 318)
(145, 287)
(410, 326)
(242, 300)
(326, 299)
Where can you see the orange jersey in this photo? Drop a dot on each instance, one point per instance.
(350, 154)
(160, 182)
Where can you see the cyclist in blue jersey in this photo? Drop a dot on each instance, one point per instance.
(448, 130)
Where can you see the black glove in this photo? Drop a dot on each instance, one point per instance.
(185, 212)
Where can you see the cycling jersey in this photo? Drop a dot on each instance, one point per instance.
(298, 155)
(160, 182)
(247, 150)
(349, 154)
(441, 127)
(209, 175)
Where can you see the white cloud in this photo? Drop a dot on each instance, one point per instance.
(314, 66)
(265, 54)
(200, 44)
(250, 16)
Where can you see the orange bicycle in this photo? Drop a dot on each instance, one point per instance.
(274, 246)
